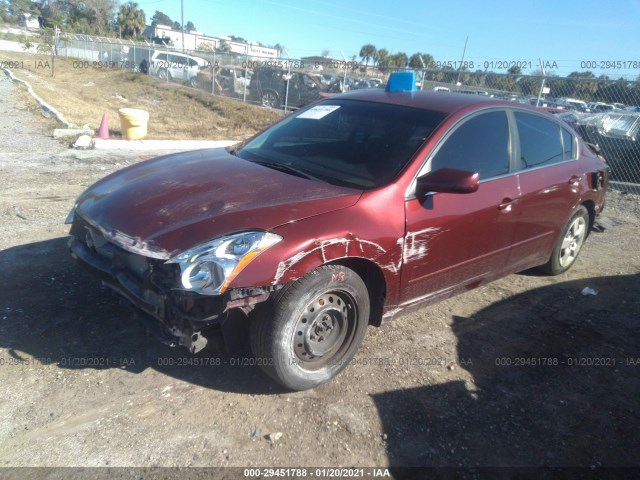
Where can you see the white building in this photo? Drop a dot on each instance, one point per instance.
(25, 20)
(195, 40)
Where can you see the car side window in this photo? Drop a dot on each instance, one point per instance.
(540, 141)
(178, 60)
(481, 144)
(308, 82)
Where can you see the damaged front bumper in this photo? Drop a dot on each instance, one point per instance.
(151, 286)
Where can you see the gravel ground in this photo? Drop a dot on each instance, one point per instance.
(524, 372)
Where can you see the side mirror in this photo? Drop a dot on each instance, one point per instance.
(447, 180)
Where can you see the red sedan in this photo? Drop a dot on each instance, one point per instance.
(340, 216)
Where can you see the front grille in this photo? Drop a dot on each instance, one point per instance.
(115, 261)
(148, 283)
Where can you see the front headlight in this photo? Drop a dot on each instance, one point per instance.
(209, 268)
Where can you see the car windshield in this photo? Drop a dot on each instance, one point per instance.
(345, 142)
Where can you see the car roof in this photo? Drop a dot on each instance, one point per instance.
(437, 101)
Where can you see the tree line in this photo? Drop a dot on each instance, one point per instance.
(383, 59)
(106, 18)
(583, 85)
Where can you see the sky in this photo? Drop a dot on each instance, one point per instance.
(567, 35)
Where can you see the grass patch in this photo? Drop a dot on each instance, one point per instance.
(11, 37)
(83, 94)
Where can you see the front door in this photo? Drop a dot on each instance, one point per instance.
(457, 241)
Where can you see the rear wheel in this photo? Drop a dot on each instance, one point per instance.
(270, 99)
(569, 243)
(314, 328)
(162, 74)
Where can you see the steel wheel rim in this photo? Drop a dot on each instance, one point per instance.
(572, 242)
(325, 330)
(268, 99)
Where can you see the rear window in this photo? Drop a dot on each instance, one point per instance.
(345, 142)
(541, 141)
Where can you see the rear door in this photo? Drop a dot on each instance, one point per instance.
(549, 182)
(179, 67)
(457, 241)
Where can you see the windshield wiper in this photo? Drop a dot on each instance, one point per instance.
(283, 167)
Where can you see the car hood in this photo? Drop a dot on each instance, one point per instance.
(166, 205)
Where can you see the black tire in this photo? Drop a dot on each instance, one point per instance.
(193, 82)
(569, 243)
(314, 327)
(162, 74)
(270, 99)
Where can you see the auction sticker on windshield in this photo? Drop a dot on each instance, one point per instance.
(319, 111)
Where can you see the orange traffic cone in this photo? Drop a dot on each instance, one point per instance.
(103, 131)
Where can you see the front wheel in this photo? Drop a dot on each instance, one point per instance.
(316, 326)
(569, 243)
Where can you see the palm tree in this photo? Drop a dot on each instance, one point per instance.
(415, 61)
(399, 59)
(367, 52)
(131, 19)
(383, 59)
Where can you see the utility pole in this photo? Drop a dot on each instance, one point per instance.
(182, 21)
(544, 78)
(462, 61)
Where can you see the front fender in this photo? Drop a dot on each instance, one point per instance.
(361, 231)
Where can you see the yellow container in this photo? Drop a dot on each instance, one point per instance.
(133, 123)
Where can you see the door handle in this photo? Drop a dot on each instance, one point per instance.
(506, 204)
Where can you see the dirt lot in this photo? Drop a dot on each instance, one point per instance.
(524, 372)
(83, 94)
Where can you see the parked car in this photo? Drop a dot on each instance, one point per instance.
(342, 215)
(363, 84)
(341, 84)
(178, 67)
(617, 134)
(600, 107)
(573, 104)
(268, 86)
(230, 80)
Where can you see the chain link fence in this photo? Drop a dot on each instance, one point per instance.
(605, 112)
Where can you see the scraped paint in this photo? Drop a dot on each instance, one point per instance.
(416, 244)
(321, 247)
